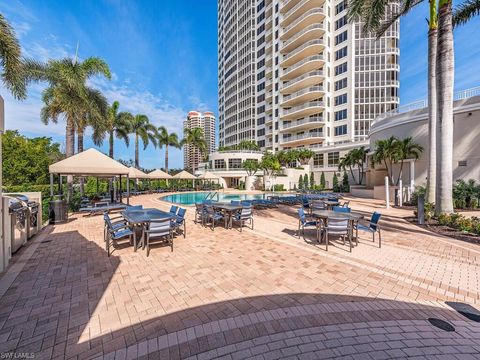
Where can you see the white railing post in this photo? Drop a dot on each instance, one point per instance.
(387, 193)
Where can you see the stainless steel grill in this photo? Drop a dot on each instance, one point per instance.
(18, 222)
(33, 213)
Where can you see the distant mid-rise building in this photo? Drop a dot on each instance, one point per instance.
(205, 121)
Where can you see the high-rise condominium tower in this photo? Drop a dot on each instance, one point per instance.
(296, 73)
(205, 121)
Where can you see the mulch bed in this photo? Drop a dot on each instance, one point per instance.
(436, 228)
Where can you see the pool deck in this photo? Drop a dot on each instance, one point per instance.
(261, 293)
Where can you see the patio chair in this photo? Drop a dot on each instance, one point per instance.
(200, 213)
(345, 204)
(135, 207)
(235, 202)
(317, 205)
(180, 220)
(339, 227)
(246, 214)
(305, 203)
(303, 223)
(213, 216)
(113, 223)
(173, 210)
(159, 229)
(341, 209)
(372, 228)
(115, 231)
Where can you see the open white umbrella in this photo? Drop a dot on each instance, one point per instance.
(159, 174)
(135, 173)
(184, 175)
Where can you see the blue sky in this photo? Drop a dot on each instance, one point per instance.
(163, 56)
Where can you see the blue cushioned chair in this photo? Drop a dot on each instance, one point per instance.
(159, 229)
(341, 209)
(180, 220)
(213, 216)
(115, 231)
(173, 210)
(303, 223)
(373, 227)
(246, 214)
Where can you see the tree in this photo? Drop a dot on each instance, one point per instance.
(250, 166)
(117, 124)
(300, 182)
(465, 12)
(312, 181)
(167, 139)
(387, 152)
(196, 139)
(407, 150)
(270, 165)
(323, 183)
(347, 162)
(304, 155)
(13, 66)
(26, 160)
(345, 183)
(68, 95)
(143, 130)
(335, 186)
(248, 145)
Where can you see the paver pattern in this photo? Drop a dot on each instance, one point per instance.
(261, 293)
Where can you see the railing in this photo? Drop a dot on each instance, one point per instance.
(300, 19)
(302, 77)
(421, 104)
(310, 119)
(300, 63)
(294, 9)
(302, 32)
(302, 92)
(303, 106)
(299, 49)
(302, 136)
(241, 151)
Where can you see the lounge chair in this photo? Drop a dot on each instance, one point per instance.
(159, 229)
(303, 223)
(102, 207)
(372, 228)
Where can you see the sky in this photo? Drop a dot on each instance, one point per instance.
(163, 57)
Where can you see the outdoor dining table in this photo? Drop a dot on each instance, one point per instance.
(228, 211)
(330, 214)
(141, 218)
(331, 203)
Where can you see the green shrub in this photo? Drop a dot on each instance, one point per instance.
(278, 187)
(335, 185)
(429, 211)
(323, 183)
(419, 191)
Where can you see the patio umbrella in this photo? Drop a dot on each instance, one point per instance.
(159, 174)
(184, 175)
(135, 173)
(209, 176)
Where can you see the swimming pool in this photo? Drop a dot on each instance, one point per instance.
(196, 197)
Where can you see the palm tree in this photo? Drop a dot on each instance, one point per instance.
(144, 130)
(196, 140)
(347, 162)
(117, 124)
(13, 75)
(465, 12)
(387, 152)
(304, 155)
(377, 20)
(359, 156)
(407, 150)
(164, 138)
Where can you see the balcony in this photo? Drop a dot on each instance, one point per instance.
(310, 108)
(301, 96)
(309, 79)
(308, 123)
(307, 138)
(313, 16)
(311, 32)
(308, 64)
(312, 47)
(299, 9)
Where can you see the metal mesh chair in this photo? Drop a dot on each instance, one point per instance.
(159, 229)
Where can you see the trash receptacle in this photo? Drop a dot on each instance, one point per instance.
(58, 211)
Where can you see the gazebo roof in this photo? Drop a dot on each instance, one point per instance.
(90, 162)
(135, 173)
(159, 174)
(209, 175)
(184, 175)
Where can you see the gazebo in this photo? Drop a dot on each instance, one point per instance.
(90, 162)
(134, 173)
(159, 175)
(185, 175)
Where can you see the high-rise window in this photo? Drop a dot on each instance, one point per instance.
(341, 115)
(340, 69)
(333, 158)
(341, 22)
(340, 99)
(341, 84)
(318, 160)
(340, 7)
(341, 53)
(341, 37)
(340, 130)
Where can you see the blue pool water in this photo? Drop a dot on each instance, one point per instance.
(192, 198)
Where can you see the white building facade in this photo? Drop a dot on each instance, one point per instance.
(205, 121)
(295, 73)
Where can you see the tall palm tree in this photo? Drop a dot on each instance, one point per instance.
(465, 12)
(13, 75)
(387, 153)
(142, 129)
(167, 139)
(347, 162)
(117, 124)
(68, 95)
(378, 20)
(196, 140)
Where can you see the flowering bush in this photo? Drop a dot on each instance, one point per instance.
(460, 222)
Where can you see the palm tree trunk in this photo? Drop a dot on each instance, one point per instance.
(400, 173)
(445, 73)
(69, 151)
(166, 158)
(360, 173)
(110, 144)
(79, 150)
(137, 162)
(390, 176)
(351, 172)
(432, 102)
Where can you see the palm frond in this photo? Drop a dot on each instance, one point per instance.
(465, 12)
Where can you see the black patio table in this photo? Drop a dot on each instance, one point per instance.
(330, 214)
(142, 218)
(228, 209)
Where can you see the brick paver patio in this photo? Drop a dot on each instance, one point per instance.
(256, 294)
